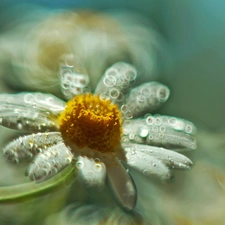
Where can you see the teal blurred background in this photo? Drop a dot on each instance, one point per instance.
(193, 66)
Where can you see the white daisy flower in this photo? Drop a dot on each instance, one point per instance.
(103, 133)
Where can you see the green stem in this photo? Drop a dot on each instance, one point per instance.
(21, 192)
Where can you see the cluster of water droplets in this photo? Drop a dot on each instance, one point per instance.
(144, 98)
(28, 146)
(30, 111)
(49, 162)
(116, 82)
(160, 131)
(73, 83)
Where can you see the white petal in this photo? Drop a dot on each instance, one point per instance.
(160, 131)
(169, 158)
(148, 165)
(73, 83)
(117, 81)
(122, 186)
(30, 111)
(50, 162)
(144, 98)
(27, 146)
(92, 173)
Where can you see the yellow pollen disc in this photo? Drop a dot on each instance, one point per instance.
(89, 121)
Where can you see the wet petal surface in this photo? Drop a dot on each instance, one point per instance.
(169, 158)
(169, 132)
(148, 165)
(28, 146)
(30, 111)
(49, 162)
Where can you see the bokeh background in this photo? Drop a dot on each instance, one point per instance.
(192, 65)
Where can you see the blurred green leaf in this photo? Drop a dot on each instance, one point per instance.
(29, 190)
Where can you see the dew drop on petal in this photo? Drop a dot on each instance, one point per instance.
(188, 128)
(133, 151)
(150, 120)
(19, 126)
(162, 128)
(145, 172)
(79, 164)
(97, 160)
(131, 136)
(172, 121)
(69, 160)
(98, 167)
(143, 132)
(39, 150)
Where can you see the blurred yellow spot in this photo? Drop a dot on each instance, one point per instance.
(89, 121)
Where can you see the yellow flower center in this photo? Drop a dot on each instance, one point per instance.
(89, 121)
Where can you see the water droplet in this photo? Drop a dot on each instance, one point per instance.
(172, 121)
(68, 160)
(109, 80)
(143, 132)
(188, 128)
(31, 144)
(97, 160)
(150, 120)
(162, 129)
(131, 136)
(79, 164)
(98, 167)
(145, 172)
(19, 125)
(150, 137)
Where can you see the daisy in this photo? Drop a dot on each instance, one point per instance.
(104, 134)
